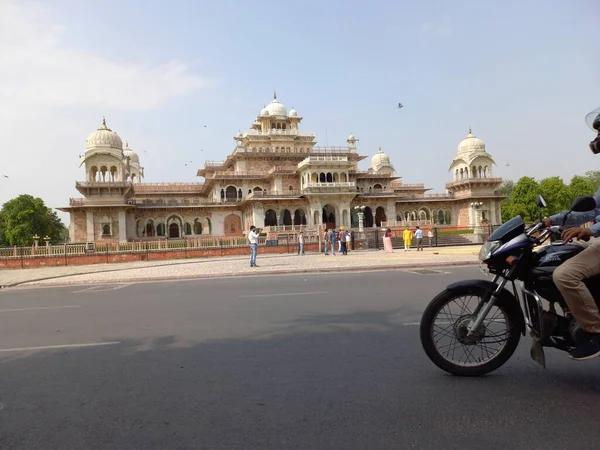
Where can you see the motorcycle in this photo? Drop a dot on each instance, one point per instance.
(473, 327)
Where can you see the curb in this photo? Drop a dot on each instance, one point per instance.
(245, 274)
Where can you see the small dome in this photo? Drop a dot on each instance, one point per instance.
(351, 139)
(239, 135)
(380, 159)
(133, 156)
(104, 137)
(293, 113)
(274, 108)
(470, 144)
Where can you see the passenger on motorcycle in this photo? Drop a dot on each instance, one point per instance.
(569, 276)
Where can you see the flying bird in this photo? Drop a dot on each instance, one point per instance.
(400, 105)
(5, 176)
(507, 164)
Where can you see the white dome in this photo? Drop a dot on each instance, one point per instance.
(274, 108)
(352, 139)
(380, 159)
(293, 112)
(104, 137)
(133, 156)
(470, 144)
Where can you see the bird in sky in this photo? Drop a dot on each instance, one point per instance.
(507, 164)
(5, 176)
(400, 105)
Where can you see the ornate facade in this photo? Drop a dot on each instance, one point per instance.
(277, 179)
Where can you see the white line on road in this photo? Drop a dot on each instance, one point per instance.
(283, 294)
(53, 347)
(102, 288)
(38, 308)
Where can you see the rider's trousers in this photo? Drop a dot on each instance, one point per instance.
(569, 277)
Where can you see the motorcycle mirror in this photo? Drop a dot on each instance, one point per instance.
(541, 202)
(583, 204)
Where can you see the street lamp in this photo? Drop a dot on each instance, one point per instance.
(47, 240)
(360, 212)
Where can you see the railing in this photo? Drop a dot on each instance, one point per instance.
(320, 159)
(283, 169)
(376, 192)
(333, 150)
(238, 174)
(168, 187)
(474, 180)
(267, 194)
(440, 196)
(181, 202)
(396, 185)
(275, 132)
(103, 184)
(96, 201)
(208, 164)
(344, 184)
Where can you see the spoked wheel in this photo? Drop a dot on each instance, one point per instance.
(445, 335)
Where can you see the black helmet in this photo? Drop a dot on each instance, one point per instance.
(593, 121)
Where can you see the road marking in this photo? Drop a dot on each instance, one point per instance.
(37, 308)
(53, 347)
(283, 294)
(102, 288)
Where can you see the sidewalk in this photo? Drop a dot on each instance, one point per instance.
(239, 266)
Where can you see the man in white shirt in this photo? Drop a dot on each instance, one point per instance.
(419, 238)
(253, 239)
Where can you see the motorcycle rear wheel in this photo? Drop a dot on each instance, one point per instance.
(456, 329)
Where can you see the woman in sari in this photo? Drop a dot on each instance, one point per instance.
(387, 241)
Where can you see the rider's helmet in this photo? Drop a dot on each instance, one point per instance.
(593, 121)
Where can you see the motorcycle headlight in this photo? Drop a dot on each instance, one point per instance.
(487, 249)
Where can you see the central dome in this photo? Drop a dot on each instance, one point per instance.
(104, 137)
(380, 159)
(274, 108)
(470, 144)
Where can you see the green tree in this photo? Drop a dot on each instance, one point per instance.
(25, 216)
(505, 190)
(581, 186)
(523, 200)
(556, 194)
(593, 176)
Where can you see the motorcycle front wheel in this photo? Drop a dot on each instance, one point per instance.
(445, 339)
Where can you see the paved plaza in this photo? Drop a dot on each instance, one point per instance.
(236, 266)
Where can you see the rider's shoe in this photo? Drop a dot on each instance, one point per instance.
(587, 348)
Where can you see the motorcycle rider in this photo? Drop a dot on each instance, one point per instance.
(569, 276)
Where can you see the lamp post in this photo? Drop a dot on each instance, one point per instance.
(477, 230)
(36, 240)
(47, 240)
(360, 212)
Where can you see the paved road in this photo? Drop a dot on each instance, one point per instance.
(289, 362)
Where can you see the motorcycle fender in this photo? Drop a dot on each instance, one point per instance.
(505, 296)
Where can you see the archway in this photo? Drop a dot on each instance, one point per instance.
(368, 217)
(232, 225)
(377, 187)
(150, 229)
(316, 218)
(187, 229)
(322, 178)
(270, 218)
(380, 216)
(174, 230)
(197, 226)
(329, 216)
(286, 217)
(231, 193)
(299, 217)
(329, 177)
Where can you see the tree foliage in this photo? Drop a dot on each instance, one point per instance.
(521, 197)
(25, 216)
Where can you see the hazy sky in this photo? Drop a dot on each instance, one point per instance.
(523, 74)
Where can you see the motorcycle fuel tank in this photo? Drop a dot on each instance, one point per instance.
(556, 254)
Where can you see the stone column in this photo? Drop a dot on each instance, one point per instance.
(390, 210)
(123, 227)
(258, 216)
(72, 226)
(90, 226)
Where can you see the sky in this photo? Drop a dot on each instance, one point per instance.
(177, 80)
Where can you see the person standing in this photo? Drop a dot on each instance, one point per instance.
(300, 243)
(253, 240)
(343, 245)
(419, 238)
(430, 236)
(332, 241)
(348, 240)
(407, 238)
(387, 241)
(325, 240)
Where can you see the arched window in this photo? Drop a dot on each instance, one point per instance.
(174, 230)
(240, 194)
(222, 194)
(329, 177)
(106, 230)
(322, 178)
(270, 218)
(160, 229)
(377, 187)
(485, 172)
(188, 228)
(197, 227)
(291, 188)
(335, 177)
(231, 193)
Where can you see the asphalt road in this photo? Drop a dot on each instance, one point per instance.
(328, 361)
